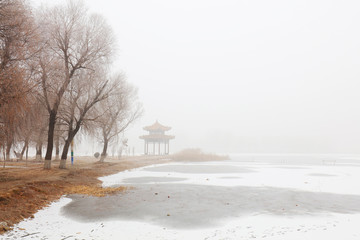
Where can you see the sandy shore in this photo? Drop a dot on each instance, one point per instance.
(26, 187)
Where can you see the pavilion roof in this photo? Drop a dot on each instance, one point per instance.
(157, 127)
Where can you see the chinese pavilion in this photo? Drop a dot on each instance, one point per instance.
(156, 136)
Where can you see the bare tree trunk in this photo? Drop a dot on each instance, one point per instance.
(57, 148)
(50, 143)
(103, 154)
(8, 148)
(23, 150)
(22, 153)
(4, 155)
(39, 152)
(64, 154)
(27, 151)
(62, 164)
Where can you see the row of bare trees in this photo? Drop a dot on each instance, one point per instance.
(55, 79)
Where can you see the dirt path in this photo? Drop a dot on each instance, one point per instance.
(24, 189)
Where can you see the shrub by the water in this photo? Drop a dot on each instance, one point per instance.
(195, 154)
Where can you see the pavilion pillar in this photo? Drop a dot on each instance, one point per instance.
(165, 147)
(145, 147)
(154, 148)
(168, 146)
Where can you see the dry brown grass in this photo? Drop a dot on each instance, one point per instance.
(195, 154)
(95, 191)
(26, 187)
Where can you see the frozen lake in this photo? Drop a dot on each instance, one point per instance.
(248, 197)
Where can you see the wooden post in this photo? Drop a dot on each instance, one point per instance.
(72, 152)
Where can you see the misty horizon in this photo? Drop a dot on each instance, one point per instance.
(248, 77)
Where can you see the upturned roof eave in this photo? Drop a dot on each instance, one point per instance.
(156, 127)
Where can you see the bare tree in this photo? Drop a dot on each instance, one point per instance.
(117, 113)
(17, 45)
(40, 130)
(60, 135)
(75, 42)
(30, 124)
(89, 89)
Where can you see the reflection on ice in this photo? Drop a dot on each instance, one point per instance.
(192, 206)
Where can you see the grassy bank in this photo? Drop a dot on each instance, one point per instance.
(26, 188)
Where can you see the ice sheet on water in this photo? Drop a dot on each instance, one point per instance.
(272, 201)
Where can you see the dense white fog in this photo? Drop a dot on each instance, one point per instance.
(242, 76)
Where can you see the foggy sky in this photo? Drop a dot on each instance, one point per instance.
(243, 76)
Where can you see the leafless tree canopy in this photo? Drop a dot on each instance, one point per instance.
(56, 62)
(116, 113)
(18, 37)
(77, 45)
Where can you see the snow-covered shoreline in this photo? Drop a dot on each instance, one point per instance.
(211, 200)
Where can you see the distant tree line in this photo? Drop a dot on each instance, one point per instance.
(56, 80)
